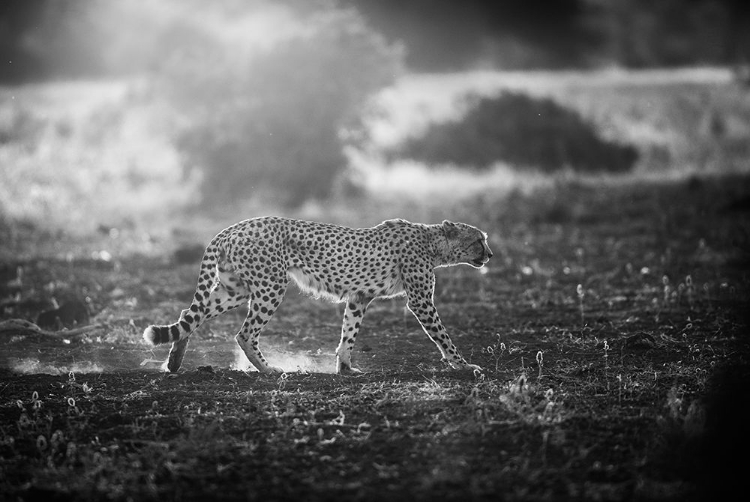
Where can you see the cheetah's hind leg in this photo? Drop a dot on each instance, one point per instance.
(353, 315)
(177, 354)
(224, 297)
(260, 310)
(178, 333)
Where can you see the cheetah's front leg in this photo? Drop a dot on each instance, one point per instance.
(419, 291)
(353, 315)
(427, 315)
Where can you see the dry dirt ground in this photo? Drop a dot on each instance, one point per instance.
(632, 386)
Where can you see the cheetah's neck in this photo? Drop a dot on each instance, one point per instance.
(439, 247)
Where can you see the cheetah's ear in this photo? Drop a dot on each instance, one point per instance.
(450, 229)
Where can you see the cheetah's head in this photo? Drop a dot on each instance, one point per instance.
(465, 244)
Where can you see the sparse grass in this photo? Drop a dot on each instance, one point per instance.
(614, 405)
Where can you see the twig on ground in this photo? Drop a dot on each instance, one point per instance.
(25, 327)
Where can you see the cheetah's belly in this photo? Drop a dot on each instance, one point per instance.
(340, 287)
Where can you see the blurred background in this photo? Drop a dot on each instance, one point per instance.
(124, 115)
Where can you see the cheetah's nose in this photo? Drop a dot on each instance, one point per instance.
(489, 254)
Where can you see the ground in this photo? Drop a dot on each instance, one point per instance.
(610, 324)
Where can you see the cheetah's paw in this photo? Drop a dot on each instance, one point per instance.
(472, 367)
(348, 370)
(272, 370)
(463, 365)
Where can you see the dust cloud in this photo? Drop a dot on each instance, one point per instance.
(30, 366)
(290, 362)
(105, 357)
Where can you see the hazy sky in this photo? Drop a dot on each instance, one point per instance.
(42, 39)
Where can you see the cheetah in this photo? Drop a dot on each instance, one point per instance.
(252, 262)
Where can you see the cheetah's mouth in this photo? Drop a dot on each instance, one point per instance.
(478, 262)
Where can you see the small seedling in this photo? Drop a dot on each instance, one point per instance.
(667, 289)
(606, 363)
(496, 350)
(581, 295)
(689, 291)
(281, 381)
(540, 361)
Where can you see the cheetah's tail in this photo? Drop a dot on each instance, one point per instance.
(190, 319)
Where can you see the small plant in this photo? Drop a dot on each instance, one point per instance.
(528, 402)
(606, 364)
(540, 362)
(281, 381)
(688, 419)
(496, 350)
(667, 290)
(581, 294)
(690, 291)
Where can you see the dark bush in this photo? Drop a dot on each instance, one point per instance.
(271, 122)
(521, 131)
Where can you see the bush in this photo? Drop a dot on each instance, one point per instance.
(522, 131)
(272, 122)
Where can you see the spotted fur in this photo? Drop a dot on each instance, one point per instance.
(252, 262)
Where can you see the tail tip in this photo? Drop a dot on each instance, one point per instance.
(151, 336)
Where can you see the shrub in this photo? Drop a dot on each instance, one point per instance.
(522, 131)
(272, 121)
